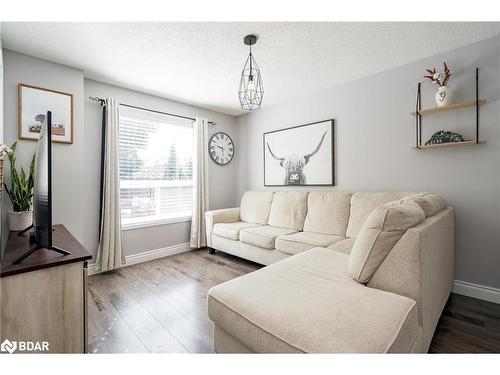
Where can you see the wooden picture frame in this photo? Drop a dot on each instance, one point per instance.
(33, 104)
(302, 155)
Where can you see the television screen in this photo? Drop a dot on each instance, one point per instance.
(42, 206)
(42, 194)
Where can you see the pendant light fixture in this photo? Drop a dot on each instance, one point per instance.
(251, 89)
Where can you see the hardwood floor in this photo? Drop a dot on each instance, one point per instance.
(160, 306)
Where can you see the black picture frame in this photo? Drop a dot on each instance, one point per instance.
(332, 127)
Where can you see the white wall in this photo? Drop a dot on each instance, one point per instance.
(222, 178)
(76, 167)
(374, 132)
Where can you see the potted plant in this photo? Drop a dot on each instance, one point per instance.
(444, 94)
(20, 193)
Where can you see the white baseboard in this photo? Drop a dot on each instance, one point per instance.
(147, 256)
(483, 292)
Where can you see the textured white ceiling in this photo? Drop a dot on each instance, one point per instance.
(200, 63)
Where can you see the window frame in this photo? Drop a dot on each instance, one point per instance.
(182, 218)
(155, 223)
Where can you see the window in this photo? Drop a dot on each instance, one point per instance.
(156, 177)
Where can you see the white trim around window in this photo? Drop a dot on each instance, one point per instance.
(154, 223)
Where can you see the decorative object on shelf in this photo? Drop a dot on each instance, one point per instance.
(444, 95)
(251, 90)
(442, 136)
(34, 102)
(419, 113)
(221, 148)
(20, 193)
(4, 151)
(301, 155)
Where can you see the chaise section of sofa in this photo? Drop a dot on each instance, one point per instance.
(309, 303)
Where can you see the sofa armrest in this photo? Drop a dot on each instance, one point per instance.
(225, 215)
(421, 267)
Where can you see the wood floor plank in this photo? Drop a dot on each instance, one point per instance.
(160, 306)
(152, 334)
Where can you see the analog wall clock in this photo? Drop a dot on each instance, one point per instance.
(221, 148)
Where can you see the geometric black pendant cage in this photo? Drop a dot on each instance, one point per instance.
(251, 90)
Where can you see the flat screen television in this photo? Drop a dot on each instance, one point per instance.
(42, 194)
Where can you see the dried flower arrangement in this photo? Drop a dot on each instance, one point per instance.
(4, 151)
(441, 79)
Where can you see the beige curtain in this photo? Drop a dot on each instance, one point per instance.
(200, 183)
(109, 252)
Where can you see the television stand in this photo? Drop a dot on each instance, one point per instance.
(31, 251)
(45, 297)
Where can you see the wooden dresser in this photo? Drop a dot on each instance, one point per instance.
(44, 299)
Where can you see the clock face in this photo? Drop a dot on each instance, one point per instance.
(221, 148)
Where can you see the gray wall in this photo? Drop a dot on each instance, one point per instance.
(2, 214)
(222, 179)
(77, 166)
(68, 160)
(374, 133)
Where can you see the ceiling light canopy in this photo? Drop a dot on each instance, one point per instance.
(251, 89)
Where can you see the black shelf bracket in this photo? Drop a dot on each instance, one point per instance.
(418, 117)
(477, 105)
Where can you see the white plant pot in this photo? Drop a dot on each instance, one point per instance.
(19, 220)
(444, 96)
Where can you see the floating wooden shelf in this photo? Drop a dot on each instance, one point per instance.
(450, 144)
(451, 107)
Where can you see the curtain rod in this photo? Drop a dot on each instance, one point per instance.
(97, 99)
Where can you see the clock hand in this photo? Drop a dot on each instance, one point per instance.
(222, 148)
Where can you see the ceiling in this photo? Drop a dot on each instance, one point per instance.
(200, 63)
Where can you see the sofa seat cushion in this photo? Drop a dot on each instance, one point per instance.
(309, 303)
(297, 242)
(231, 230)
(263, 236)
(344, 246)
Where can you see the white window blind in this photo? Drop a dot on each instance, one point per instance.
(156, 159)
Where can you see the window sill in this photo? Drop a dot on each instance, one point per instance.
(155, 223)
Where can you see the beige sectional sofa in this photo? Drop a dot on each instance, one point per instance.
(314, 296)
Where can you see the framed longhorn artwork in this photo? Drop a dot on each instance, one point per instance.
(300, 156)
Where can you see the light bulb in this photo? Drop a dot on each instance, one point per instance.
(251, 88)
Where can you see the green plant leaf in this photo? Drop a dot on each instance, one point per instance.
(21, 184)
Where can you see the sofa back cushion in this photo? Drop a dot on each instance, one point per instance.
(383, 228)
(288, 209)
(431, 203)
(255, 206)
(327, 212)
(362, 204)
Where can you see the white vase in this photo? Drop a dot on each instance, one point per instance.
(19, 220)
(444, 96)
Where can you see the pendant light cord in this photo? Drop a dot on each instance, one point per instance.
(251, 75)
